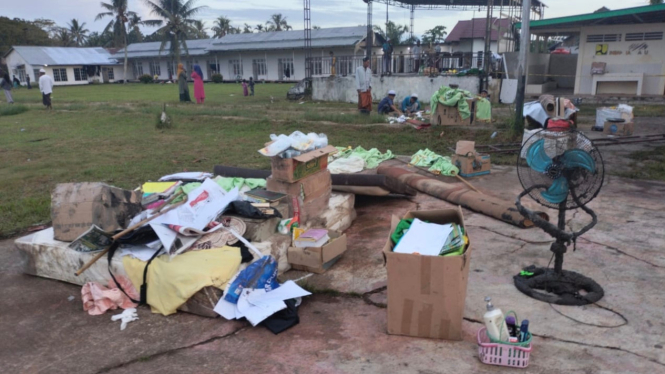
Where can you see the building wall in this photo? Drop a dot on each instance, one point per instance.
(619, 61)
(343, 89)
(562, 69)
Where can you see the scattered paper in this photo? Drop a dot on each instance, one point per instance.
(141, 252)
(424, 238)
(190, 175)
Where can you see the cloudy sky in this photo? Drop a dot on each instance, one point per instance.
(325, 13)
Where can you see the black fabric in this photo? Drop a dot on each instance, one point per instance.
(284, 319)
(245, 254)
(142, 235)
(46, 99)
(247, 210)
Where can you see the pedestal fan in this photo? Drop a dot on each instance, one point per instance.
(560, 169)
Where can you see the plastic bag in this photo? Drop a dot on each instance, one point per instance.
(280, 144)
(260, 274)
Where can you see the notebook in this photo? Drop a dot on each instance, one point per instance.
(312, 235)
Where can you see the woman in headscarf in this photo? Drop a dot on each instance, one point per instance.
(199, 92)
(6, 85)
(182, 84)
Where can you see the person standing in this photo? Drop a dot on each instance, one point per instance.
(333, 64)
(364, 87)
(387, 56)
(27, 79)
(17, 83)
(199, 92)
(183, 88)
(251, 86)
(244, 88)
(416, 54)
(46, 88)
(6, 85)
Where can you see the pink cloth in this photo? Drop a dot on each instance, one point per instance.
(97, 299)
(199, 92)
(244, 89)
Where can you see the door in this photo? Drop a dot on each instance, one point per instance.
(105, 75)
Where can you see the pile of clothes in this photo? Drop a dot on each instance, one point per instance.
(455, 97)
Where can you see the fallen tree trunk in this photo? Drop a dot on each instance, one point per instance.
(460, 195)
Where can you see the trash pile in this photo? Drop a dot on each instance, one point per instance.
(454, 106)
(293, 145)
(548, 108)
(616, 120)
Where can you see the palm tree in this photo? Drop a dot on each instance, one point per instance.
(77, 32)
(654, 2)
(435, 35)
(117, 10)
(277, 22)
(260, 28)
(200, 30)
(222, 27)
(395, 32)
(64, 38)
(175, 22)
(247, 29)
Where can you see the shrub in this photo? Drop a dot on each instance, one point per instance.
(145, 78)
(13, 109)
(217, 78)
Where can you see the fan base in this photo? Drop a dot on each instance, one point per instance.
(565, 288)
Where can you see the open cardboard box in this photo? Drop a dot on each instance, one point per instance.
(299, 167)
(426, 294)
(318, 259)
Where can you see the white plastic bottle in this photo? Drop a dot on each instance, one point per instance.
(495, 322)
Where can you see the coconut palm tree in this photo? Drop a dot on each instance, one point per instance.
(260, 28)
(175, 22)
(222, 27)
(117, 10)
(78, 33)
(247, 29)
(200, 30)
(64, 38)
(395, 32)
(277, 22)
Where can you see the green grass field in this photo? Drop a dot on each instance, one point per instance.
(107, 133)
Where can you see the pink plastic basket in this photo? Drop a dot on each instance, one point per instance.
(502, 354)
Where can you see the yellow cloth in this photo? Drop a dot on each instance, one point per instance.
(171, 282)
(181, 68)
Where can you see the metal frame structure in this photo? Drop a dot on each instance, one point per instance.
(537, 6)
(308, 42)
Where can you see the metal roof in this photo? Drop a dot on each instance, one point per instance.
(196, 47)
(476, 28)
(458, 4)
(64, 55)
(643, 14)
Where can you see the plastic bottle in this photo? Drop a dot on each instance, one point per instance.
(524, 330)
(495, 322)
(279, 145)
(512, 325)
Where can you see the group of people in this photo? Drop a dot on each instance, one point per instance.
(199, 90)
(409, 105)
(45, 86)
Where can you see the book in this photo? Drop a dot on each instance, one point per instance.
(309, 244)
(264, 195)
(312, 235)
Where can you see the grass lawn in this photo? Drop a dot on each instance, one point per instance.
(107, 133)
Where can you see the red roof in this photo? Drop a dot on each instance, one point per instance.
(475, 28)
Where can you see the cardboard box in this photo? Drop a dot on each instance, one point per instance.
(312, 187)
(293, 169)
(318, 259)
(310, 211)
(449, 116)
(464, 147)
(619, 128)
(473, 165)
(77, 206)
(426, 294)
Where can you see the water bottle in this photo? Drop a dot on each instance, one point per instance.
(279, 145)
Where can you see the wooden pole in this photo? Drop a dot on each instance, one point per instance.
(123, 233)
(468, 184)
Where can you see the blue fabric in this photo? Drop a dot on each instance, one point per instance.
(198, 71)
(407, 103)
(387, 47)
(384, 105)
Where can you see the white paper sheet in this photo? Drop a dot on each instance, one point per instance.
(424, 238)
(191, 175)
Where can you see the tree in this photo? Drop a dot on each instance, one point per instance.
(176, 24)
(222, 27)
(96, 39)
(435, 35)
(200, 30)
(21, 32)
(395, 32)
(247, 29)
(277, 22)
(64, 38)
(135, 35)
(78, 33)
(260, 28)
(119, 14)
(47, 25)
(316, 27)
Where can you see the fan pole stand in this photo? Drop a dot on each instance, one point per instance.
(557, 286)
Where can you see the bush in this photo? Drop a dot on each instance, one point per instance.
(145, 78)
(13, 109)
(217, 78)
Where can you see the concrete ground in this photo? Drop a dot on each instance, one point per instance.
(343, 327)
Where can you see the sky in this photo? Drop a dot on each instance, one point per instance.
(324, 13)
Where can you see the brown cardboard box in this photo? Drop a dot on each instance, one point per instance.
(472, 165)
(77, 206)
(464, 147)
(426, 294)
(318, 259)
(310, 211)
(449, 116)
(293, 169)
(620, 129)
(311, 187)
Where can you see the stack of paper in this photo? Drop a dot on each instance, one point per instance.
(256, 304)
(312, 238)
(431, 239)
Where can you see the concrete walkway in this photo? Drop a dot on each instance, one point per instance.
(342, 328)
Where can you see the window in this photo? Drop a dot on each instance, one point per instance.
(155, 69)
(21, 75)
(639, 36)
(235, 68)
(36, 73)
(80, 74)
(138, 68)
(259, 67)
(111, 74)
(600, 38)
(60, 75)
(317, 66)
(285, 66)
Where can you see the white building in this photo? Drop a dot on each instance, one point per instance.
(67, 65)
(270, 56)
(469, 36)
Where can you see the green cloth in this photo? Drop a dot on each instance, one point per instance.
(372, 157)
(436, 163)
(453, 97)
(401, 229)
(483, 109)
(227, 185)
